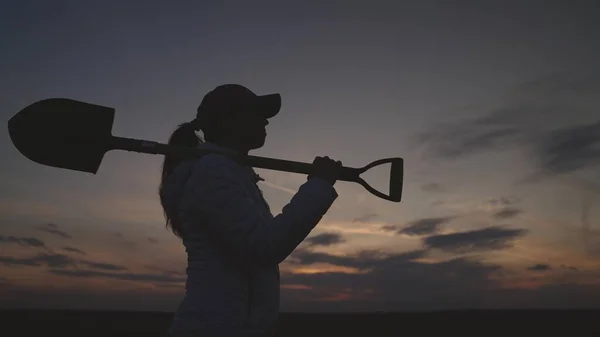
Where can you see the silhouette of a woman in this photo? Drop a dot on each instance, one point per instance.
(234, 244)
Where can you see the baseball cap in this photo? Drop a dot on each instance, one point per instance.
(228, 98)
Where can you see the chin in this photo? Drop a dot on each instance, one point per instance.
(257, 143)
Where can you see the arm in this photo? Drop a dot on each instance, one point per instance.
(219, 194)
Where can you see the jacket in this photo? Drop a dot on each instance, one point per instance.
(234, 244)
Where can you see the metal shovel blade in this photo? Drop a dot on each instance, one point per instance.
(63, 133)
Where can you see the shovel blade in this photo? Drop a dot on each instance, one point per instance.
(63, 133)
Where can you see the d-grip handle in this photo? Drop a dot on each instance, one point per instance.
(396, 178)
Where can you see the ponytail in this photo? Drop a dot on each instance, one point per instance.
(184, 135)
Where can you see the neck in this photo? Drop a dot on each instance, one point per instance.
(234, 146)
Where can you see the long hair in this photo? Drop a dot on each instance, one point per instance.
(184, 135)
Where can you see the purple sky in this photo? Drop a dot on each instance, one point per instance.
(493, 106)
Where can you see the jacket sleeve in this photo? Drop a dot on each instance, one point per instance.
(219, 195)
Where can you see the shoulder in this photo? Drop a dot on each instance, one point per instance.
(214, 170)
(215, 181)
(214, 163)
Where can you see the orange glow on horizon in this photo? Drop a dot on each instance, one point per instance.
(325, 268)
(296, 287)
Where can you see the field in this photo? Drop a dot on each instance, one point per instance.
(472, 323)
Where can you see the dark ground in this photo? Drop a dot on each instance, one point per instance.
(528, 323)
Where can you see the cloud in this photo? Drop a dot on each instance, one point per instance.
(166, 271)
(362, 260)
(325, 239)
(44, 259)
(23, 241)
(478, 204)
(74, 250)
(539, 267)
(533, 118)
(410, 281)
(161, 278)
(121, 237)
(68, 266)
(507, 213)
(566, 150)
(497, 130)
(420, 227)
(101, 265)
(491, 238)
(433, 187)
(365, 218)
(571, 268)
(502, 201)
(53, 229)
(56, 261)
(453, 142)
(390, 281)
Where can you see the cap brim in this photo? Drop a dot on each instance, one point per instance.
(269, 105)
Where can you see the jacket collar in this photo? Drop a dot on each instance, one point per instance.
(212, 146)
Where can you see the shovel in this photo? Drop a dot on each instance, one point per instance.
(74, 135)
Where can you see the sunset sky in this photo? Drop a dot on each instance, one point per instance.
(494, 105)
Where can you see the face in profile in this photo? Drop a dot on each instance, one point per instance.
(250, 129)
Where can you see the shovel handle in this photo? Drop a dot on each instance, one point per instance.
(349, 174)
